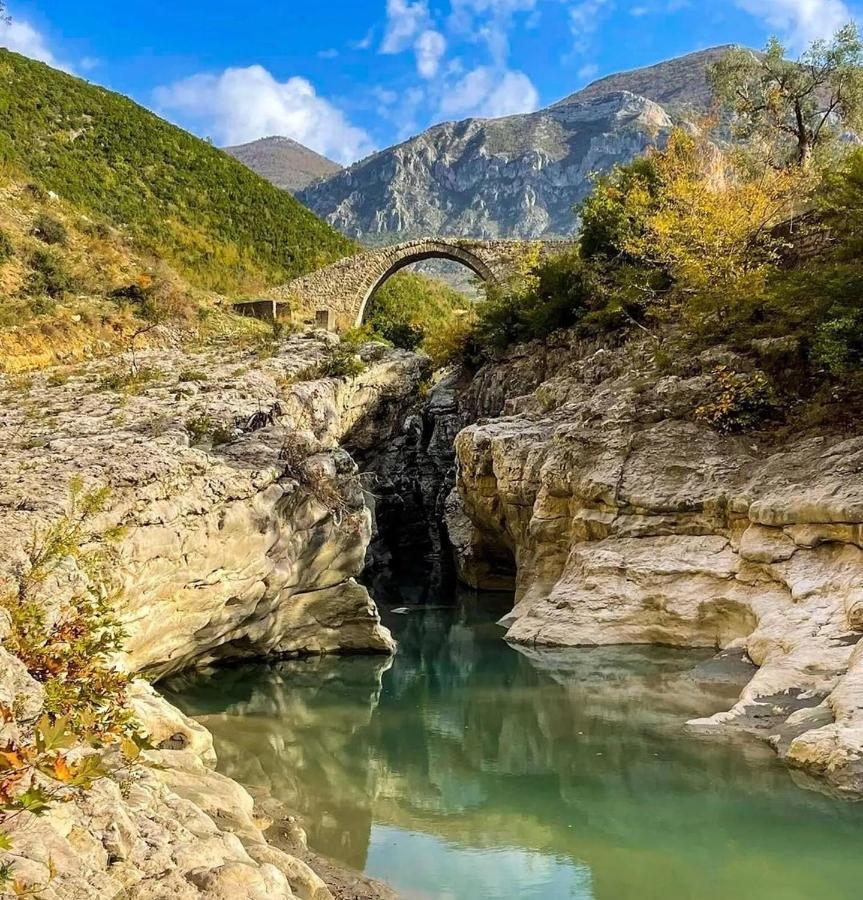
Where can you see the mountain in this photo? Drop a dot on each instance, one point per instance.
(284, 162)
(217, 223)
(679, 85)
(518, 176)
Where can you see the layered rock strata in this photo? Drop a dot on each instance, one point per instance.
(243, 528)
(622, 519)
(230, 550)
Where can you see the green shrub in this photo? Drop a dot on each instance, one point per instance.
(48, 275)
(7, 251)
(342, 362)
(50, 230)
(738, 401)
(402, 334)
(838, 343)
(555, 293)
(131, 382)
(199, 427)
(192, 375)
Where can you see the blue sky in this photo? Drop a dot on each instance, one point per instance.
(348, 76)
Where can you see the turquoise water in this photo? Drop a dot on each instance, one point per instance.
(468, 769)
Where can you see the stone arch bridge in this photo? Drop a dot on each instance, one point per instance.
(337, 294)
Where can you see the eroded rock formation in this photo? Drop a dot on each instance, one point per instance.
(225, 554)
(621, 519)
(243, 530)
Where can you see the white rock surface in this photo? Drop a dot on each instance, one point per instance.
(226, 554)
(627, 522)
(229, 550)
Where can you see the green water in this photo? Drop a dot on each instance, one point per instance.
(465, 768)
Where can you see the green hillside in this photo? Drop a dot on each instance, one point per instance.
(211, 218)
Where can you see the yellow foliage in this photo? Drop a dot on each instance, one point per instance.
(708, 222)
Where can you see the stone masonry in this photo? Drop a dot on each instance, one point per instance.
(344, 287)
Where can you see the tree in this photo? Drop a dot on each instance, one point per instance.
(795, 106)
(685, 233)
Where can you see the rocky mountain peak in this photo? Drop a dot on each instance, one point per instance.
(518, 176)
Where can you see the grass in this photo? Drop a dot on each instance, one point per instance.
(217, 223)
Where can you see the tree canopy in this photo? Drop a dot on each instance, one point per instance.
(795, 107)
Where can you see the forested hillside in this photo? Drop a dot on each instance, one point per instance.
(216, 222)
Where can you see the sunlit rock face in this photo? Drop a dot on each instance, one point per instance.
(519, 176)
(624, 520)
(513, 177)
(242, 528)
(229, 550)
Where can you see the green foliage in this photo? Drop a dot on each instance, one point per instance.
(409, 307)
(7, 250)
(187, 375)
(71, 654)
(202, 428)
(132, 381)
(737, 401)
(402, 334)
(554, 295)
(49, 276)
(50, 230)
(215, 221)
(199, 428)
(342, 362)
(794, 107)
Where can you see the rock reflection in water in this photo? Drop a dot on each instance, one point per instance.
(468, 768)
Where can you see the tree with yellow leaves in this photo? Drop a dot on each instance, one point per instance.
(687, 230)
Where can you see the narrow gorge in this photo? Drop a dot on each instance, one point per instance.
(322, 578)
(258, 497)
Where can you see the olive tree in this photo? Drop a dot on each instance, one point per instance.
(796, 106)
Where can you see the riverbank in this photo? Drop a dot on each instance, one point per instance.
(228, 523)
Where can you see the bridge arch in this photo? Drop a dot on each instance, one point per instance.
(338, 294)
(401, 256)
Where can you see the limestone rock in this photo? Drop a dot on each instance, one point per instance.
(227, 554)
(623, 520)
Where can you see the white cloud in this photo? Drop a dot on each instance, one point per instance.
(585, 18)
(405, 22)
(430, 47)
(242, 104)
(491, 20)
(23, 38)
(489, 93)
(800, 21)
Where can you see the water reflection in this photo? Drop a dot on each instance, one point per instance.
(465, 768)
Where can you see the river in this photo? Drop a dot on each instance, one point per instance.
(468, 769)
